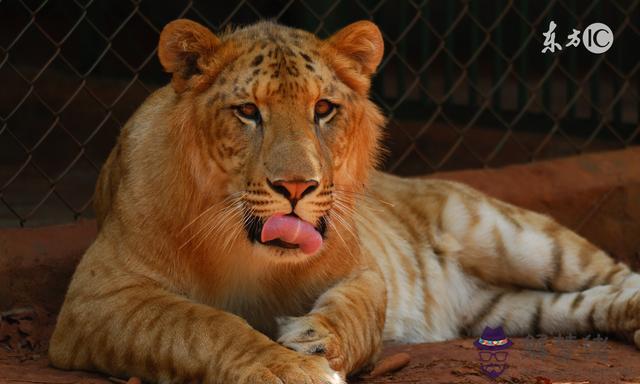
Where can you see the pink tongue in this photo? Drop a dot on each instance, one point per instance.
(292, 230)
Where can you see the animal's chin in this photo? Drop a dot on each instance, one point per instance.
(254, 225)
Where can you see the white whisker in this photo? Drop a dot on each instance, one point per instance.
(236, 195)
(212, 223)
(335, 229)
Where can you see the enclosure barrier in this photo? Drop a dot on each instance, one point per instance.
(463, 84)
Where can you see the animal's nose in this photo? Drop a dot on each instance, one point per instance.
(293, 190)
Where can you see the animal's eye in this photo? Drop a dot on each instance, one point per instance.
(248, 111)
(323, 109)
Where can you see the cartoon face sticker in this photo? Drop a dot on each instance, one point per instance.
(492, 346)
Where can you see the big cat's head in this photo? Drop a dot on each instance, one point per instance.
(280, 123)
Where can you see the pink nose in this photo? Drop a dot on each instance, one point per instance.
(294, 190)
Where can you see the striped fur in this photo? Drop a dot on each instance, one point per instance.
(174, 289)
(482, 262)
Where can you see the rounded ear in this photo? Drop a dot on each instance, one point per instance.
(362, 42)
(185, 48)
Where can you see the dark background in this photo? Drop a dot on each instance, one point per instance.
(464, 84)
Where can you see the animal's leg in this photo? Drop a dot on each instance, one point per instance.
(606, 309)
(506, 245)
(345, 324)
(125, 324)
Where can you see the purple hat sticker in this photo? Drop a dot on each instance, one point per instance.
(493, 339)
(491, 350)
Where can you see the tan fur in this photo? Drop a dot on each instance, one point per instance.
(174, 290)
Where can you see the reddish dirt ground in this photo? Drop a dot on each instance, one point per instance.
(560, 361)
(597, 195)
(529, 361)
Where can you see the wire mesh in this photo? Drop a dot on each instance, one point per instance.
(464, 85)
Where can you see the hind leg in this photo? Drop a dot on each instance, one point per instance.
(604, 309)
(541, 276)
(505, 245)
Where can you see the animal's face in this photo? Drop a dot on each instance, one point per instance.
(285, 122)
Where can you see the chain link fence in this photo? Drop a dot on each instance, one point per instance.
(464, 84)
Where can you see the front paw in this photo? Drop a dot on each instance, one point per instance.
(291, 368)
(310, 335)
